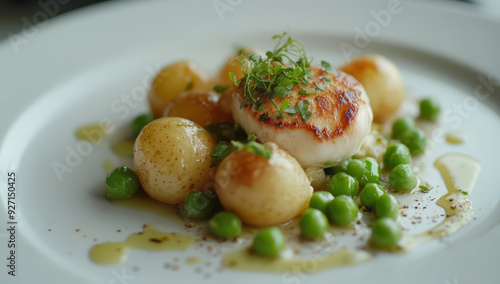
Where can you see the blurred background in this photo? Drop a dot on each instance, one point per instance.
(16, 15)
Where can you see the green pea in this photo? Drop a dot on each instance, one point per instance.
(140, 122)
(415, 140)
(269, 242)
(201, 204)
(372, 170)
(320, 199)
(387, 206)
(402, 125)
(356, 168)
(122, 182)
(370, 194)
(429, 109)
(385, 233)
(342, 167)
(402, 178)
(225, 225)
(395, 155)
(365, 170)
(313, 223)
(343, 184)
(343, 210)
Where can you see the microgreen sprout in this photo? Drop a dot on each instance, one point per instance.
(223, 149)
(275, 75)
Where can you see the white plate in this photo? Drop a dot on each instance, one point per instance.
(74, 70)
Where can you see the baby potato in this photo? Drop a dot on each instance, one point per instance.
(382, 81)
(172, 158)
(262, 192)
(173, 80)
(226, 100)
(198, 106)
(232, 65)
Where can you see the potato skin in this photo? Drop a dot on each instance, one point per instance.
(172, 158)
(232, 65)
(263, 192)
(173, 80)
(201, 107)
(382, 81)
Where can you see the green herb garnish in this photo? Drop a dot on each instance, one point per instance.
(275, 74)
(320, 86)
(302, 108)
(328, 68)
(220, 89)
(219, 152)
(328, 81)
(424, 188)
(327, 164)
(254, 147)
(223, 149)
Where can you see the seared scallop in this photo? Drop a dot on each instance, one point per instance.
(340, 119)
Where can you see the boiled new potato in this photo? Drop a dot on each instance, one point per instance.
(173, 80)
(172, 158)
(198, 106)
(382, 81)
(262, 192)
(232, 65)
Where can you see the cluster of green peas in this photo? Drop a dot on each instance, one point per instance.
(336, 205)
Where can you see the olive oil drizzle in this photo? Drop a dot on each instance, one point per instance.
(94, 133)
(150, 239)
(459, 172)
(244, 259)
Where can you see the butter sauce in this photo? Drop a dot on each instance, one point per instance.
(108, 165)
(244, 259)
(455, 138)
(94, 133)
(149, 239)
(459, 172)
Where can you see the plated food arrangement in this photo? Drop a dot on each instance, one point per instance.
(276, 154)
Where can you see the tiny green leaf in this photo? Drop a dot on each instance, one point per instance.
(328, 163)
(285, 104)
(254, 147)
(303, 110)
(328, 68)
(290, 110)
(302, 92)
(320, 86)
(233, 77)
(220, 89)
(219, 152)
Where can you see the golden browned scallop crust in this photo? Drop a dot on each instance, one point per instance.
(334, 107)
(340, 119)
